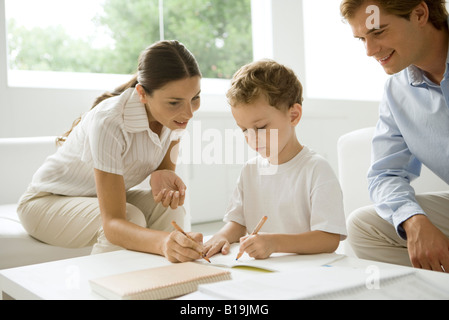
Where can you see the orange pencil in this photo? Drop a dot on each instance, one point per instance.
(255, 231)
(182, 231)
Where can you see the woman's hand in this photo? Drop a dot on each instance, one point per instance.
(168, 188)
(179, 248)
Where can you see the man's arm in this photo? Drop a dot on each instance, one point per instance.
(393, 168)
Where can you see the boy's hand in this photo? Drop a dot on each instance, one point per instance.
(217, 245)
(258, 246)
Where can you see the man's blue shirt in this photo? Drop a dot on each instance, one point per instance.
(413, 129)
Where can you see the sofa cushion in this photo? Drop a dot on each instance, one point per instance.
(17, 248)
(20, 158)
(354, 157)
(10, 226)
(354, 160)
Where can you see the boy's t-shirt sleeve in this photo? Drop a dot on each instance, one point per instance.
(234, 211)
(327, 211)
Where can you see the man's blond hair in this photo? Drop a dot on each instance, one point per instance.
(438, 14)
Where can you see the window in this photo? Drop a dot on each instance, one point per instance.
(106, 37)
(336, 64)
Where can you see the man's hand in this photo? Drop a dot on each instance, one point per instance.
(428, 247)
(168, 188)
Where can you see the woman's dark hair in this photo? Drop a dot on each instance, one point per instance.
(159, 64)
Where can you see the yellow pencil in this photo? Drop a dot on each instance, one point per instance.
(255, 231)
(182, 231)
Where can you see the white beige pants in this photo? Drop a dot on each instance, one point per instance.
(75, 222)
(373, 238)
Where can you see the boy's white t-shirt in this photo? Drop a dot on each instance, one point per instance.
(298, 196)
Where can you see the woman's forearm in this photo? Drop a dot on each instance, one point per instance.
(133, 237)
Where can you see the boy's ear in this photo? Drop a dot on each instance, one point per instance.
(295, 113)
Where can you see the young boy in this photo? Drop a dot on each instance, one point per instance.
(288, 182)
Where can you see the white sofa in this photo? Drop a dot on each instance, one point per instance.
(354, 157)
(19, 159)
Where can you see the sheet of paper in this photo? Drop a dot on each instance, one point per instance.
(276, 262)
(303, 283)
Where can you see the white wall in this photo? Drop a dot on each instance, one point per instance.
(40, 111)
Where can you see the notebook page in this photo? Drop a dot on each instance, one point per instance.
(300, 284)
(276, 262)
(408, 287)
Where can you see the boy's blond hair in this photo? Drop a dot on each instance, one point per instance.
(268, 78)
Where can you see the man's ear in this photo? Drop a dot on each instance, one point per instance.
(421, 13)
(295, 113)
(142, 93)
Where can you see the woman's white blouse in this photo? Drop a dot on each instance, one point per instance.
(113, 137)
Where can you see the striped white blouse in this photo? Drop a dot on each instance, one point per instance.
(114, 137)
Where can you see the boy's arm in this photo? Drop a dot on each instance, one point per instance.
(311, 242)
(221, 241)
(261, 246)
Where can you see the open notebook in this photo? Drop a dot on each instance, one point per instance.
(276, 262)
(328, 283)
(157, 283)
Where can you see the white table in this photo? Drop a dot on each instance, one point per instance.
(68, 279)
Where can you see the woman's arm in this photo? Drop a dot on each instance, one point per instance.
(112, 199)
(171, 157)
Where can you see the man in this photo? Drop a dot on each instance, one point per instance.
(409, 38)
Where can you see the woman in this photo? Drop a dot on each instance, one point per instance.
(82, 195)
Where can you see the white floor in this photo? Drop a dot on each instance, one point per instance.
(208, 229)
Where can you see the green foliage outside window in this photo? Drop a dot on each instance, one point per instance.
(218, 32)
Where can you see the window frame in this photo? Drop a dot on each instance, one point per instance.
(274, 23)
(98, 81)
